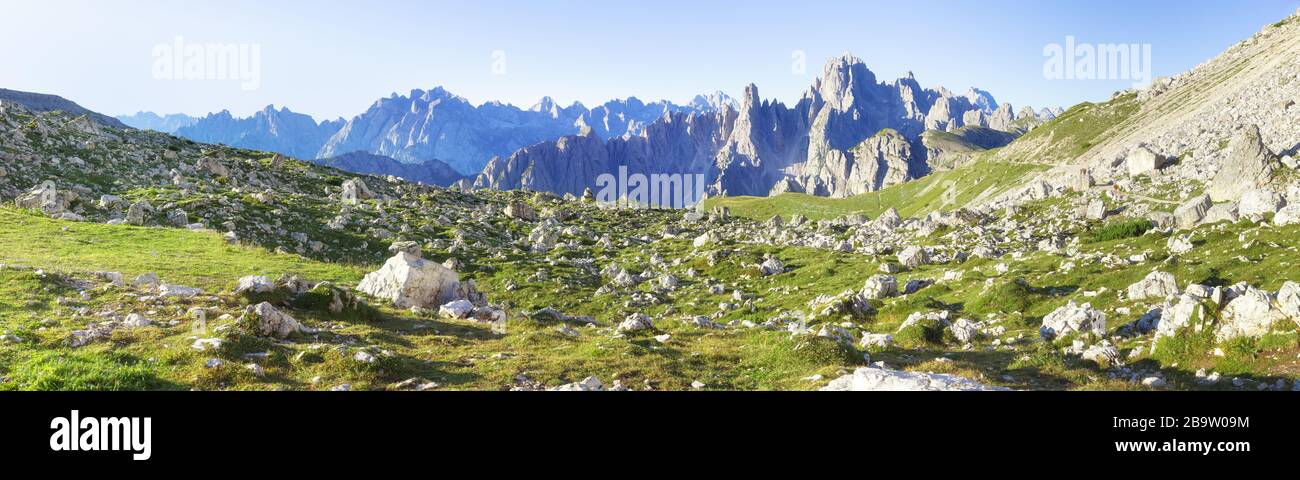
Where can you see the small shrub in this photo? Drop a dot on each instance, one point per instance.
(1122, 230)
(926, 332)
(825, 351)
(1004, 296)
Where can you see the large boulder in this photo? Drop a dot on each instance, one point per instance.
(884, 379)
(1073, 318)
(1250, 314)
(1095, 210)
(888, 220)
(1249, 166)
(410, 281)
(1142, 161)
(1154, 285)
(356, 190)
(635, 323)
(1289, 215)
(772, 266)
(1103, 354)
(1288, 298)
(543, 238)
(1080, 180)
(521, 211)
(265, 320)
(912, 257)
(44, 197)
(1179, 315)
(1189, 214)
(964, 330)
(138, 213)
(1260, 202)
(880, 286)
(1223, 212)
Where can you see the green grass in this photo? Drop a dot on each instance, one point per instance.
(197, 259)
(1072, 133)
(940, 191)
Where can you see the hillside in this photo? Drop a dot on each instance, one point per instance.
(136, 260)
(566, 292)
(50, 103)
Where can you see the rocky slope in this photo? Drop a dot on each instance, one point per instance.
(132, 259)
(1224, 128)
(765, 147)
(48, 103)
(124, 245)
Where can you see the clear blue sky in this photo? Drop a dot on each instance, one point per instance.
(334, 58)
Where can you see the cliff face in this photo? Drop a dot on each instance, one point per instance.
(848, 134)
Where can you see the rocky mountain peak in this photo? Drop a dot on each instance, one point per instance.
(715, 101)
(845, 80)
(981, 99)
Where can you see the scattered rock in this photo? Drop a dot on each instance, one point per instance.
(1073, 318)
(635, 322)
(265, 320)
(1191, 213)
(1154, 285)
(883, 379)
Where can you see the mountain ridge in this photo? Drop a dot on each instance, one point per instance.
(42, 102)
(763, 146)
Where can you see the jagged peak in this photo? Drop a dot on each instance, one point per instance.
(717, 100)
(981, 99)
(545, 104)
(751, 95)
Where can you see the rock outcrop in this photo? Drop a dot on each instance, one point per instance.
(408, 281)
(870, 379)
(1248, 167)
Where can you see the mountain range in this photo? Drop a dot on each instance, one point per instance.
(424, 125)
(281, 131)
(432, 172)
(169, 123)
(848, 134)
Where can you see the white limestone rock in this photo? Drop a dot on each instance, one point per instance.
(1154, 285)
(880, 286)
(866, 379)
(1073, 318)
(408, 281)
(1249, 314)
(265, 320)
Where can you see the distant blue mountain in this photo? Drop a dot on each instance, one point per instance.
(432, 172)
(430, 124)
(152, 121)
(282, 131)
